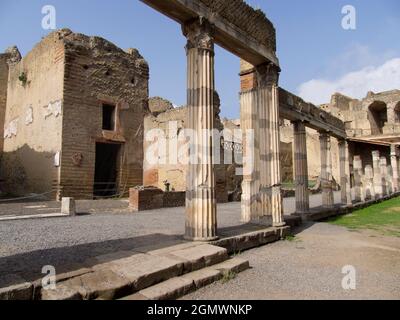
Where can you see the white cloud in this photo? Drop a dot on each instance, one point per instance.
(354, 84)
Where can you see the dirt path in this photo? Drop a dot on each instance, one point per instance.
(310, 267)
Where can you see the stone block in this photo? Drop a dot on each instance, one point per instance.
(169, 290)
(13, 287)
(104, 284)
(203, 277)
(60, 293)
(235, 265)
(200, 256)
(145, 199)
(68, 206)
(145, 270)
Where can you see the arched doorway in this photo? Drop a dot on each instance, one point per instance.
(377, 117)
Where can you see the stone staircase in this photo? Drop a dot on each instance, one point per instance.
(162, 274)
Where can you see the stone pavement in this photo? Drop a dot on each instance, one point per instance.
(27, 245)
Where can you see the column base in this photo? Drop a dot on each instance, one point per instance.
(279, 224)
(195, 239)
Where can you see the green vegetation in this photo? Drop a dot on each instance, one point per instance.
(228, 276)
(291, 238)
(383, 218)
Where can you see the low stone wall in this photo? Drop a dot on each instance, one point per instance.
(154, 198)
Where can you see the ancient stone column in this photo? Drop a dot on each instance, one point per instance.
(383, 166)
(201, 211)
(369, 182)
(270, 171)
(395, 168)
(389, 179)
(251, 155)
(301, 168)
(358, 179)
(326, 170)
(377, 174)
(345, 172)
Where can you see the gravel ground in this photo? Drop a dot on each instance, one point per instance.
(27, 245)
(310, 268)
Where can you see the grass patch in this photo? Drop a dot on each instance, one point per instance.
(291, 238)
(383, 217)
(228, 276)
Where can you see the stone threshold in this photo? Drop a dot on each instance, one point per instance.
(33, 216)
(324, 214)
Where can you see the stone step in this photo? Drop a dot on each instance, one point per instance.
(179, 286)
(123, 273)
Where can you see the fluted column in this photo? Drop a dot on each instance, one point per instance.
(377, 174)
(301, 168)
(270, 171)
(358, 179)
(395, 168)
(326, 170)
(345, 172)
(201, 215)
(249, 121)
(369, 182)
(384, 172)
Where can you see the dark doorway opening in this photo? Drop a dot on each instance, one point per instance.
(105, 178)
(108, 117)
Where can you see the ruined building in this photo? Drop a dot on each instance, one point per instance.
(73, 117)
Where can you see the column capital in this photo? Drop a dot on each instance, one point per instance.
(268, 74)
(199, 33)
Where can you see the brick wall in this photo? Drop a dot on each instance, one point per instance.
(29, 150)
(98, 72)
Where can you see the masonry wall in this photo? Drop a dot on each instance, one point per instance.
(171, 123)
(98, 72)
(3, 95)
(33, 121)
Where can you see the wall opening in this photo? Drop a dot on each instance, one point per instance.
(105, 179)
(108, 117)
(397, 113)
(377, 117)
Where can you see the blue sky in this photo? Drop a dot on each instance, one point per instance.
(317, 55)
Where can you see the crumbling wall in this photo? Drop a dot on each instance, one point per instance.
(171, 123)
(33, 120)
(253, 22)
(97, 72)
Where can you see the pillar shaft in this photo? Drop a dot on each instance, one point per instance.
(369, 182)
(384, 175)
(395, 168)
(326, 170)
(358, 179)
(270, 171)
(201, 215)
(345, 172)
(251, 155)
(377, 174)
(301, 168)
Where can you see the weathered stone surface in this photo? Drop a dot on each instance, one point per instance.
(104, 284)
(135, 296)
(200, 256)
(168, 290)
(203, 277)
(61, 292)
(68, 206)
(159, 105)
(234, 265)
(144, 270)
(13, 287)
